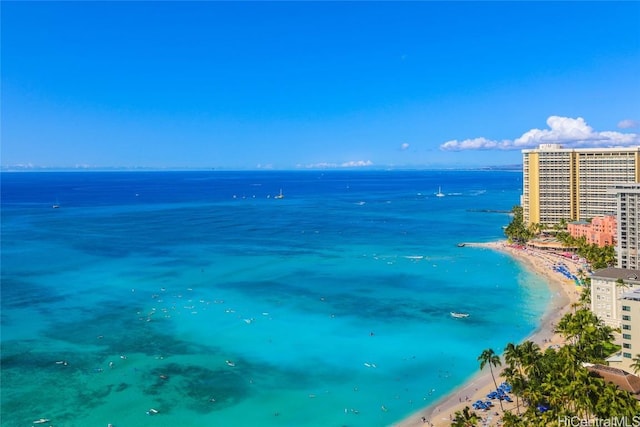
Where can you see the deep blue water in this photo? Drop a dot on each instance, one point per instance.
(331, 303)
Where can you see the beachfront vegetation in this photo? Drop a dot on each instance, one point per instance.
(465, 418)
(585, 296)
(598, 257)
(489, 357)
(553, 384)
(587, 334)
(516, 231)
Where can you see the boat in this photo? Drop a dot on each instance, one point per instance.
(459, 315)
(439, 193)
(279, 196)
(41, 421)
(230, 363)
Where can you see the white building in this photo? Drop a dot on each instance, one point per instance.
(628, 224)
(607, 287)
(630, 327)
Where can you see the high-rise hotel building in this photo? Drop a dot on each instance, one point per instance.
(572, 184)
(628, 225)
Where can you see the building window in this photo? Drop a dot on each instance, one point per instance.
(626, 336)
(626, 345)
(626, 317)
(626, 327)
(626, 308)
(627, 355)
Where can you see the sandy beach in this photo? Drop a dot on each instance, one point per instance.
(565, 293)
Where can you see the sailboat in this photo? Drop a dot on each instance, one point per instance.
(439, 193)
(279, 196)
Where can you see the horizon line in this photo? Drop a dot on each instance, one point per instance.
(23, 168)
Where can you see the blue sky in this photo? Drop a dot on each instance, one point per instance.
(284, 85)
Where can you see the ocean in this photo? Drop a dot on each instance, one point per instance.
(202, 296)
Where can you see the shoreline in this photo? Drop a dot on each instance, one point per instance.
(564, 295)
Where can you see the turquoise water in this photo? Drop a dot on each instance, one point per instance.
(332, 303)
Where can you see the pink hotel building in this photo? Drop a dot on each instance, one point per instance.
(600, 231)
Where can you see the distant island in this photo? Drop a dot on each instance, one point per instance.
(490, 210)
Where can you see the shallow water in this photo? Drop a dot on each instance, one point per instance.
(332, 303)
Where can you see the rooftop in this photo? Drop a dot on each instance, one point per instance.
(558, 147)
(581, 222)
(627, 274)
(623, 379)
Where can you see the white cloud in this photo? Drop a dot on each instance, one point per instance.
(569, 132)
(404, 146)
(328, 165)
(321, 165)
(357, 164)
(627, 124)
(474, 144)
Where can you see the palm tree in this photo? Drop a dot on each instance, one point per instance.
(513, 355)
(587, 390)
(488, 356)
(636, 364)
(511, 420)
(514, 377)
(530, 353)
(558, 380)
(598, 257)
(611, 402)
(621, 284)
(535, 228)
(585, 295)
(465, 418)
(568, 328)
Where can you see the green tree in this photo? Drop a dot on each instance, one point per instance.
(620, 283)
(465, 418)
(568, 327)
(511, 420)
(516, 231)
(488, 356)
(614, 402)
(585, 297)
(558, 379)
(561, 225)
(518, 383)
(636, 364)
(513, 356)
(587, 333)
